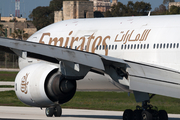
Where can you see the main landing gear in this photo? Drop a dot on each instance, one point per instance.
(56, 111)
(146, 112)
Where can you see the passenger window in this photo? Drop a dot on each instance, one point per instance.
(112, 47)
(171, 45)
(154, 46)
(167, 45)
(100, 47)
(103, 47)
(75, 47)
(128, 46)
(174, 45)
(144, 46)
(178, 45)
(121, 46)
(132, 46)
(106, 47)
(125, 47)
(157, 46)
(141, 46)
(164, 45)
(138, 46)
(109, 47)
(160, 46)
(147, 46)
(135, 46)
(97, 47)
(115, 47)
(85, 47)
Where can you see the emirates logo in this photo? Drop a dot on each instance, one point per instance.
(24, 84)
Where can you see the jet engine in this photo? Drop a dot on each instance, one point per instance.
(42, 85)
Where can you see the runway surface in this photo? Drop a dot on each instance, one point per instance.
(31, 113)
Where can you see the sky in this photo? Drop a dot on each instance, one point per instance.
(7, 7)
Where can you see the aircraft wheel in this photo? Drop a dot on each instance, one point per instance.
(146, 115)
(58, 111)
(49, 112)
(163, 115)
(137, 115)
(127, 115)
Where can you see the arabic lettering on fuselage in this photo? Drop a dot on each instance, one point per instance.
(127, 37)
(93, 40)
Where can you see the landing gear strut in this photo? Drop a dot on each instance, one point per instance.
(56, 111)
(146, 112)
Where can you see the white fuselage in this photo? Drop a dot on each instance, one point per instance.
(148, 39)
(86, 34)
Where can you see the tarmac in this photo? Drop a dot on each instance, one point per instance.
(32, 113)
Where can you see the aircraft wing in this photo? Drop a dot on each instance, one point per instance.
(55, 54)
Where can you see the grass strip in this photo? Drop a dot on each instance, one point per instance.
(9, 98)
(7, 76)
(117, 101)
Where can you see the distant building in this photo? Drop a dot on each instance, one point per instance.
(8, 19)
(114, 2)
(21, 24)
(82, 9)
(75, 10)
(103, 5)
(174, 4)
(58, 16)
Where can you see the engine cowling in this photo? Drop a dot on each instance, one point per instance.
(41, 85)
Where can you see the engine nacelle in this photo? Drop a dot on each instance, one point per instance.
(41, 85)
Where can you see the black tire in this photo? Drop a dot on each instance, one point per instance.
(146, 115)
(58, 111)
(163, 115)
(128, 114)
(137, 115)
(49, 112)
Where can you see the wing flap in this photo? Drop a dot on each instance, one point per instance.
(155, 87)
(153, 79)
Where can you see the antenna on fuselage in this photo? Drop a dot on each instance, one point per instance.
(149, 14)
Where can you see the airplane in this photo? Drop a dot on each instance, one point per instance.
(135, 54)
